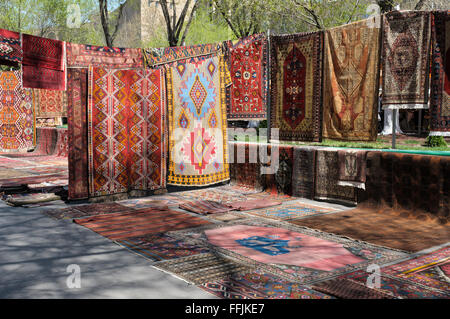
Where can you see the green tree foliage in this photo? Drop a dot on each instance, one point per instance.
(48, 18)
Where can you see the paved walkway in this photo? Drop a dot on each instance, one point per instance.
(36, 250)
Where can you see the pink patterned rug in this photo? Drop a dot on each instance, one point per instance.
(282, 246)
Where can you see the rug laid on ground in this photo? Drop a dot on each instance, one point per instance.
(440, 78)
(296, 73)
(50, 103)
(77, 99)
(406, 56)
(17, 117)
(259, 284)
(203, 268)
(299, 254)
(349, 289)
(30, 199)
(198, 148)
(411, 184)
(381, 227)
(10, 47)
(43, 63)
(214, 194)
(304, 172)
(327, 178)
(86, 210)
(126, 131)
(292, 211)
(139, 222)
(83, 55)
(253, 204)
(398, 287)
(205, 207)
(248, 65)
(351, 81)
(426, 269)
(154, 201)
(161, 247)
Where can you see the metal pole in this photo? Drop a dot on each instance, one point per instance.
(394, 124)
(420, 123)
(268, 93)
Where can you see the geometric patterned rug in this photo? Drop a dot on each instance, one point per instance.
(398, 287)
(258, 284)
(424, 270)
(292, 210)
(297, 254)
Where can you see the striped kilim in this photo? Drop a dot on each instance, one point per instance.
(17, 126)
(197, 123)
(202, 268)
(139, 223)
(205, 207)
(126, 116)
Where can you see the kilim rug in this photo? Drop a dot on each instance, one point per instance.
(292, 211)
(296, 87)
(202, 268)
(327, 177)
(299, 254)
(214, 194)
(406, 56)
(161, 247)
(198, 149)
(169, 55)
(254, 204)
(351, 71)
(349, 289)
(43, 63)
(126, 131)
(83, 55)
(205, 207)
(139, 222)
(77, 133)
(248, 69)
(258, 284)
(398, 287)
(50, 103)
(43, 52)
(41, 78)
(381, 227)
(304, 172)
(352, 168)
(227, 217)
(10, 47)
(424, 270)
(440, 78)
(153, 201)
(17, 127)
